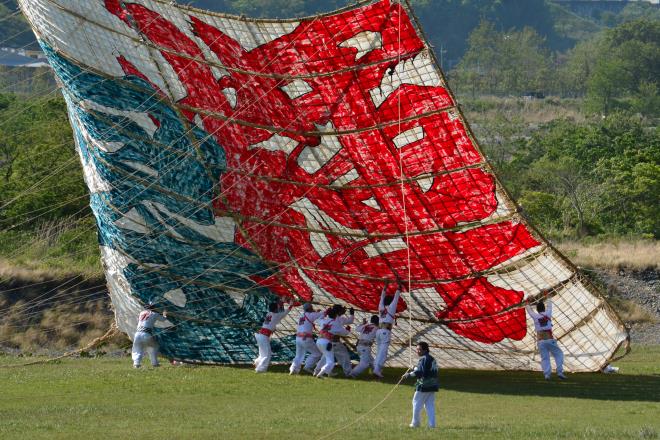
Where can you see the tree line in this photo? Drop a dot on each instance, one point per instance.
(578, 179)
(617, 69)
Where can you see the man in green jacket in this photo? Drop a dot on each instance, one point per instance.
(427, 385)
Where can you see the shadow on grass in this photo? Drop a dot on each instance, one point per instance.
(622, 387)
(598, 386)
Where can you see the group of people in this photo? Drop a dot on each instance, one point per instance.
(321, 354)
(328, 348)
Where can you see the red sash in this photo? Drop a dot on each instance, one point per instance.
(265, 331)
(544, 335)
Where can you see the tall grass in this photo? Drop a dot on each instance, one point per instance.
(53, 249)
(637, 255)
(529, 111)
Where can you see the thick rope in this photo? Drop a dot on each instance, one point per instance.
(404, 203)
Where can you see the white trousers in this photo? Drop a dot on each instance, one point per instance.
(303, 347)
(320, 364)
(427, 401)
(546, 348)
(261, 363)
(382, 345)
(144, 341)
(343, 357)
(327, 362)
(366, 360)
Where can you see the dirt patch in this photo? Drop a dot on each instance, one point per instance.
(642, 289)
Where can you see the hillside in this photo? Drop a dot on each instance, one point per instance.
(14, 30)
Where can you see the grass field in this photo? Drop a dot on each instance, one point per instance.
(105, 398)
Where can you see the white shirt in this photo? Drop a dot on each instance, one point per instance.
(325, 325)
(272, 319)
(367, 333)
(306, 321)
(542, 321)
(147, 320)
(338, 326)
(388, 314)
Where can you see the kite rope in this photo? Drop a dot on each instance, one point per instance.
(404, 200)
(15, 35)
(10, 87)
(12, 15)
(405, 220)
(362, 416)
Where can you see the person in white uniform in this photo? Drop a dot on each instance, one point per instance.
(366, 338)
(333, 327)
(324, 344)
(340, 327)
(426, 373)
(305, 344)
(144, 338)
(546, 341)
(273, 317)
(387, 312)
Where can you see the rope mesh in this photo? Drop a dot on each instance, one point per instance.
(231, 161)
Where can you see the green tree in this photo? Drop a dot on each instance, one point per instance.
(631, 180)
(588, 178)
(542, 208)
(580, 63)
(510, 62)
(629, 67)
(40, 175)
(562, 177)
(14, 30)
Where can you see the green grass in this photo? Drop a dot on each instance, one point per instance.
(105, 398)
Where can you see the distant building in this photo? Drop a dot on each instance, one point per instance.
(653, 2)
(38, 54)
(22, 58)
(588, 8)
